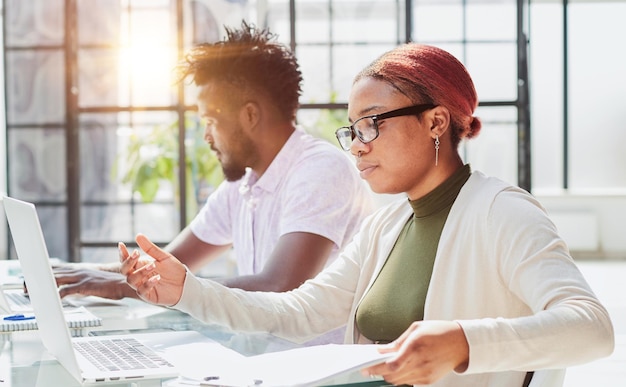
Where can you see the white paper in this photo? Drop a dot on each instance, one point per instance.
(301, 367)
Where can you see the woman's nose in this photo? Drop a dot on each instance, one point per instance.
(357, 148)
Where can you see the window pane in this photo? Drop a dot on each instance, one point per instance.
(37, 164)
(348, 61)
(99, 254)
(34, 23)
(107, 223)
(146, 161)
(98, 77)
(492, 20)
(98, 150)
(493, 67)
(276, 13)
(99, 22)
(546, 95)
(53, 220)
(314, 63)
(597, 89)
(328, 72)
(35, 87)
(204, 21)
(367, 21)
(157, 220)
(313, 22)
(54, 225)
(322, 123)
(494, 151)
(430, 17)
(147, 57)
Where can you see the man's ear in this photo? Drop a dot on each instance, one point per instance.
(250, 115)
(439, 119)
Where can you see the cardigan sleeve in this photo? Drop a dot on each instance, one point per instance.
(559, 321)
(318, 306)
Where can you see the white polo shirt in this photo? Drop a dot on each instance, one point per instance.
(311, 186)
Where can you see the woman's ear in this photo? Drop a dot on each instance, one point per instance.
(439, 119)
(249, 115)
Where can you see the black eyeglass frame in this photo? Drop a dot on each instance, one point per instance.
(405, 111)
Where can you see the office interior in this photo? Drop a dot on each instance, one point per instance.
(94, 123)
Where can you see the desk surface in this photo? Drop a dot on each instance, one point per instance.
(24, 362)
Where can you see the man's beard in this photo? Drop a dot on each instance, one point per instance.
(233, 173)
(236, 168)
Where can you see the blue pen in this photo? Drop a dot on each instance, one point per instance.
(19, 317)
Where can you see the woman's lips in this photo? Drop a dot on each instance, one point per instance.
(365, 169)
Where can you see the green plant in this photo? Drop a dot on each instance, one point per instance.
(151, 159)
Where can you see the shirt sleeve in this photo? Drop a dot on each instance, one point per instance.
(325, 197)
(213, 223)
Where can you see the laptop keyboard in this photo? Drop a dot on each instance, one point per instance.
(120, 354)
(18, 299)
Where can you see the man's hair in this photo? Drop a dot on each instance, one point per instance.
(250, 61)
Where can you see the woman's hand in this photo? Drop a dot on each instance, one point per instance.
(426, 352)
(159, 281)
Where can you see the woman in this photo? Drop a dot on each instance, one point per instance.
(467, 281)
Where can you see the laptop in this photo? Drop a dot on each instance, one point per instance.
(75, 354)
(14, 301)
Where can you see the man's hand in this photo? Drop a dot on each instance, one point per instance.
(92, 282)
(426, 352)
(160, 281)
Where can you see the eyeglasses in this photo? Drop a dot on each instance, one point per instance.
(366, 128)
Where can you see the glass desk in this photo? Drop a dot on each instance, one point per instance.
(24, 362)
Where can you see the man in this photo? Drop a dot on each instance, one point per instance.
(289, 202)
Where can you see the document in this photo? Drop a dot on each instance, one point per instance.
(300, 367)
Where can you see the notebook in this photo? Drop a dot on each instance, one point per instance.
(75, 354)
(76, 318)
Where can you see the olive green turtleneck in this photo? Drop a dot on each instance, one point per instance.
(397, 297)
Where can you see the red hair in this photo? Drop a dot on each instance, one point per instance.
(427, 74)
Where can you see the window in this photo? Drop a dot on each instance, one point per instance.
(90, 83)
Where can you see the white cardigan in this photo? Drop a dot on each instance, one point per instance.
(501, 271)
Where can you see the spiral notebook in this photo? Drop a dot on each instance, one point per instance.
(76, 318)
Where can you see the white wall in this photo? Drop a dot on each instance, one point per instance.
(593, 224)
